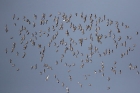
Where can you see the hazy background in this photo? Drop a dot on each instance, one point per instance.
(28, 81)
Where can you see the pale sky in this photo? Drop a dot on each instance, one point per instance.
(28, 80)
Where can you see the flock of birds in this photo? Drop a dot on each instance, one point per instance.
(89, 37)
